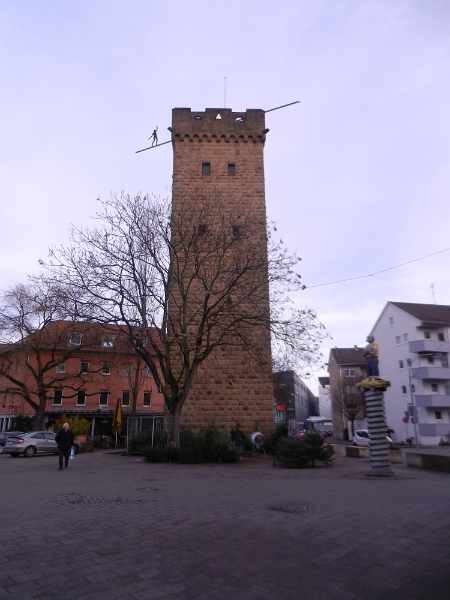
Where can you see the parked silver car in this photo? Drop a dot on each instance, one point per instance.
(4, 435)
(35, 442)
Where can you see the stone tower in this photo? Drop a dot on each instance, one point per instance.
(220, 152)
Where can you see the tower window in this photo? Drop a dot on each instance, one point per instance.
(231, 169)
(206, 168)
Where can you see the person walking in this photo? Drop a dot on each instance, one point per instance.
(238, 438)
(64, 439)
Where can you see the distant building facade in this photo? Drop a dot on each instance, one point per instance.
(346, 366)
(100, 367)
(293, 400)
(413, 342)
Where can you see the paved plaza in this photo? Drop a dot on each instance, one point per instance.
(113, 526)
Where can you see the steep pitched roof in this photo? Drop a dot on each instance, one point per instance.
(427, 313)
(348, 356)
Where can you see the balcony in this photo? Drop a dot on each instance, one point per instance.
(440, 373)
(432, 401)
(434, 429)
(428, 346)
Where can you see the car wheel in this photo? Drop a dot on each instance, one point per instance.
(355, 444)
(2, 449)
(29, 452)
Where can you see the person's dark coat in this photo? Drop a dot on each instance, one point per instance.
(64, 439)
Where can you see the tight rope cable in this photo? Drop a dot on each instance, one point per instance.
(376, 272)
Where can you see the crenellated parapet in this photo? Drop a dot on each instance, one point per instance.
(190, 126)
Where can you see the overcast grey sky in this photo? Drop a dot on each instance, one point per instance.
(357, 175)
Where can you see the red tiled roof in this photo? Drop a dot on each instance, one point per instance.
(427, 313)
(348, 356)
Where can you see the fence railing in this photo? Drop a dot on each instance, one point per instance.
(182, 430)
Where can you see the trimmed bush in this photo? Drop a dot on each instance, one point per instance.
(137, 443)
(191, 455)
(207, 446)
(300, 452)
(292, 453)
(271, 441)
(223, 450)
(316, 449)
(153, 454)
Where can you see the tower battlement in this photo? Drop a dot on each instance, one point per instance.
(248, 126)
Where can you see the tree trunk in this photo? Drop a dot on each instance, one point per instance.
(40, 413)
(174, 426)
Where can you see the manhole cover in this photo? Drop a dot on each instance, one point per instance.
(73, 498)
(293, 507)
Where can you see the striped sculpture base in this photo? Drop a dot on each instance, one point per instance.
(380, 464)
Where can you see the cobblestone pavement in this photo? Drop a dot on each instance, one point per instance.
(112, 526)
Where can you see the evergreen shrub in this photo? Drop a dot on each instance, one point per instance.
(271, 441)
(300, 452)
(153, 454)
(207, 446)
(292, 452)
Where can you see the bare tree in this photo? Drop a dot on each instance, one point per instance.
(36, 340)
(348, 400)
(137, 376)
(184, 283)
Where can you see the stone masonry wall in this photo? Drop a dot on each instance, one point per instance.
(229, 381)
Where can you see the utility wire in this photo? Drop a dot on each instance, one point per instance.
(411, 286)
(376, 272)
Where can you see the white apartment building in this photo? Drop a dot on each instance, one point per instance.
(413, 342)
